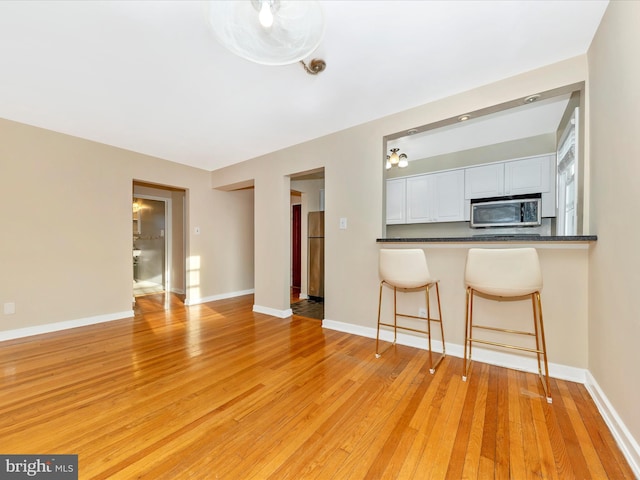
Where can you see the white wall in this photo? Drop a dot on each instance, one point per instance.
(614, 266)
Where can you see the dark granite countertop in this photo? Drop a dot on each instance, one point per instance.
(494, 238)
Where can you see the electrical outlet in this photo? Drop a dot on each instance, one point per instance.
(422, 313)
(9, 308)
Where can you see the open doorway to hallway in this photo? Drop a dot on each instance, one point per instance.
(307, 244)
(158, 238)
(151, 243)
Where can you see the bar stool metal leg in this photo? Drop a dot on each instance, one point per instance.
(505, 273)
(433, 367)
(467, 334)
(407, 271)
(544, 379)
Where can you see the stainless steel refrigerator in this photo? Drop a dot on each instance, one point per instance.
(315, 235)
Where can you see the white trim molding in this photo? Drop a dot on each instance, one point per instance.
(55, 327)
(213, 298)
(626, 442)
(501, 359)
(273, 312)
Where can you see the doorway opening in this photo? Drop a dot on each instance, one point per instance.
(307, 244)
(151, 243)
(158, 236)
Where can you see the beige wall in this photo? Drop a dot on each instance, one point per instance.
(353, 184)
(66, 227)
(614, 314)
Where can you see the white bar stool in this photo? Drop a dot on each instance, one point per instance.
(500, 273)
(407, 270)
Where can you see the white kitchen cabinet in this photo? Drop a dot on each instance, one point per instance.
(533, 175)
(448, 196)
(396, 200)
(514, 177)
(529, 175)
(419, 203)
(484, 181)
(436, 197)
(445, 196)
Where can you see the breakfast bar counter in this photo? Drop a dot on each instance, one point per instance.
(564, 262)
(496, 238)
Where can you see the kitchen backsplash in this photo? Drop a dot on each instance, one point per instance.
(462, 229)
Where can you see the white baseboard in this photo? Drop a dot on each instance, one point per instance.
(501, 359)
(625, 440)
(179, 291)
(273, 312)
(303, 296)
(82, 322)
(55, 327)
(213, 298)
(627, 443)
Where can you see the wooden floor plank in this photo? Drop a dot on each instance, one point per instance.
(459, 451)
(526, 425)
(490, 428)
(584, 441)
(610, 455)
(471, 467)
(218, 391)
(517, 462)
(503, 443)
(424, 421)
(559, 419)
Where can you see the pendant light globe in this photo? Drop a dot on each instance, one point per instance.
(296, 30)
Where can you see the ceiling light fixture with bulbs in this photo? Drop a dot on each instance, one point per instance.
(270, 32)
(397, 160)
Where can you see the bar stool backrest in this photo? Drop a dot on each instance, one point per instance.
(404, 268)
(503, 272)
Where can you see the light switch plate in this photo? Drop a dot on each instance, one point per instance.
(343, 223)
(9, 308)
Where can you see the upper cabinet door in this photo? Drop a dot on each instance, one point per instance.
(419, 199)
(448, 189)
(436, 197)
(530, 175)
(484, 181)
(396, 200)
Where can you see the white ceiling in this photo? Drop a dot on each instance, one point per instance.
(538, 118)
(150, 77)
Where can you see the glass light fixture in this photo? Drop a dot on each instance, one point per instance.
(266, 15)
(268, 32)
(396, 159)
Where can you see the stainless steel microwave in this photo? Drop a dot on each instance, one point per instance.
(514, 211)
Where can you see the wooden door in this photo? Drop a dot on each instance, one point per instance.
(296, 249)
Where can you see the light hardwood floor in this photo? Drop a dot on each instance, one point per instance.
(217, 391)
